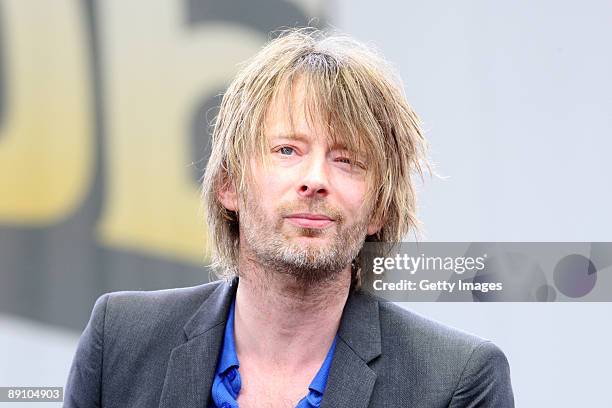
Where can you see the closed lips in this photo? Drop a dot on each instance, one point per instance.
(310, 220)
(310, 216)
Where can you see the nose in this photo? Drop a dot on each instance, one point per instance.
(314, 182)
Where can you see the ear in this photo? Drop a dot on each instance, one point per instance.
(228, 197)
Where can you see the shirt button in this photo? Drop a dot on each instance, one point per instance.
(225, 405)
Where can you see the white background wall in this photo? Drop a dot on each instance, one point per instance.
(516, 98)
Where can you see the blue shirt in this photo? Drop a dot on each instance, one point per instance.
(226, 384)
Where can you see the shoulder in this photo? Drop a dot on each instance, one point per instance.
(452, 362)
(166, 300)
(132, 314)
(422, 331)
(427, 338)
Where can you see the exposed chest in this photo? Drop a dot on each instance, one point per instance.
(262, 400)
(272, 389)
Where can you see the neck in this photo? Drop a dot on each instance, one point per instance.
(280, 320)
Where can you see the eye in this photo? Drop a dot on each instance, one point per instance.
(286, 150)
(354, 165)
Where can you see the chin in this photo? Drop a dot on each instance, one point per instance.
(313, 242)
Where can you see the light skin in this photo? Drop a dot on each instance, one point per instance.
(304, 218)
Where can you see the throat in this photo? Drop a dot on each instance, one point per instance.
(287, 327)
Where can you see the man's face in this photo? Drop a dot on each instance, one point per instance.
(305, 211)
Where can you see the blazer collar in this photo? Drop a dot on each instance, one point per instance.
(360, 325)
(192, 365)
(213, 310)
(351, 380)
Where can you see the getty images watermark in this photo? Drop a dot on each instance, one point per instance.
(489, 272)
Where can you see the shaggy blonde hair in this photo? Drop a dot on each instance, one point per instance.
(354, 93)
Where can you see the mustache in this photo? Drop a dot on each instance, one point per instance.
(313, 207)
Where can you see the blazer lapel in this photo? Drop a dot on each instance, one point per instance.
(351, 380)
(192, 365)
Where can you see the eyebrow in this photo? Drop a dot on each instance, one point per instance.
(291, 136)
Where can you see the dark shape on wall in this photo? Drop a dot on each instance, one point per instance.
(54, 273)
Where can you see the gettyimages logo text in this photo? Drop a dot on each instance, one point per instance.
(414, 264)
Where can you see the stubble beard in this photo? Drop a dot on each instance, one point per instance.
(309, 264)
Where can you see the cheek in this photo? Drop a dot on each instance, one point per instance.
(276, 183)
(270, 191)
(352, 194)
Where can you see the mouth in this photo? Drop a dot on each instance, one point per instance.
(308, 220)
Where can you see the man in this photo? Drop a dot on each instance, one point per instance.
(312, 154)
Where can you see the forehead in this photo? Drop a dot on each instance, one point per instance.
(295, 113)
(287, 112)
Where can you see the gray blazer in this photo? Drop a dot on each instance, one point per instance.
(149, 349)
